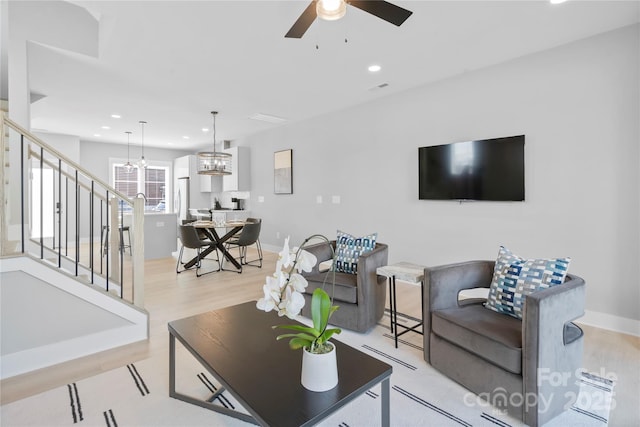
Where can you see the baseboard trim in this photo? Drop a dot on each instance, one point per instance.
(610, 322)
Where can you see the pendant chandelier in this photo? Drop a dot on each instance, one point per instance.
(142, 162)
(128, 166)
(214, 162)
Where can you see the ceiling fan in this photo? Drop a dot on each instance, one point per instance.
(335, 9)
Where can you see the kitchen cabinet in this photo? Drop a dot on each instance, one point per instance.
(187, 166)
(205, 183)
(240, 178)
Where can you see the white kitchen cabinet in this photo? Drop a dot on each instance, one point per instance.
(205, 183)
(187, 166)
(240, 178)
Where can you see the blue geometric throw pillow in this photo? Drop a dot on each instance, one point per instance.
(514, 278)
(349, 249)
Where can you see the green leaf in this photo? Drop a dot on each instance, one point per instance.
(302, 336)
(320, 309)
(333, 309)
(297, 343)
(300, 328)
(326, 336)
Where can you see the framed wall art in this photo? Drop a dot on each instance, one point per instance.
(283, 172)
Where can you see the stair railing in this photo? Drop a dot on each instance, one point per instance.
(55, 210)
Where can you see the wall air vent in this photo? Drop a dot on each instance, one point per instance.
(267, 118)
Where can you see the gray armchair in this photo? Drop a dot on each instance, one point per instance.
(527, 368)
(361, 296)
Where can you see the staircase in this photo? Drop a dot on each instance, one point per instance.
(68, 287)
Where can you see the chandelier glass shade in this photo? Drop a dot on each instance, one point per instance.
(128, 166)
(214, 162)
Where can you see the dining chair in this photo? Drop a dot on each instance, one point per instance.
(190, 239)
(250, 235)
(258, 245)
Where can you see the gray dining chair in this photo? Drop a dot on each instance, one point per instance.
(190, 239)
(250, 235)
(258, 245)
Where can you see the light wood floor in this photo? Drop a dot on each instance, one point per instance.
(170, 296)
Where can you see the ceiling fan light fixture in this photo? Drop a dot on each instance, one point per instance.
(331, 10)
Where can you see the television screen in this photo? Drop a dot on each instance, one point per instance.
(487, 169)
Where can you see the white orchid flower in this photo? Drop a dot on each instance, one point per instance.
(272, 293)
(284, 256)
(280, 277)
(298, 282)
(265, 304)
(306, 261)
(291, 305)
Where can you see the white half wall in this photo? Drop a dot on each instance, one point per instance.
(579, 107)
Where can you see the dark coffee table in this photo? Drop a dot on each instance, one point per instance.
(238, 347)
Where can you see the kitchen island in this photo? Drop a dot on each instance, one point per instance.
(160, 234)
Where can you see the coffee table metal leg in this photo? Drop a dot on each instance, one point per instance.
(172, 365)
(384, 401)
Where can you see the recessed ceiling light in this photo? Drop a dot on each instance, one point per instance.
(169, 143)
(116, 116)
(185, 137)
(96, 134)
(374, 68)
(557, 1)
(205, 129)
(105, 127)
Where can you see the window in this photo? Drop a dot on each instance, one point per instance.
(154, 186)
(152, 181)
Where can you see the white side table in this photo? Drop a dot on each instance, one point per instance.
(406, 272)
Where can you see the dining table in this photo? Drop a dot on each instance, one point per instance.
(210, 228)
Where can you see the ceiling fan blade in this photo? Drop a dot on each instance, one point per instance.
(303, 23)
(383, 10)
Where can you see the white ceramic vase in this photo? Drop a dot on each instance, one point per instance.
(319, 371)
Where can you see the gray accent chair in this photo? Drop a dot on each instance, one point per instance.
(361, 297)
(499, 357)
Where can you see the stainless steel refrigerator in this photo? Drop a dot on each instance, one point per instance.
(181, 202)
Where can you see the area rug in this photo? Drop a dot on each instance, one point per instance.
(137, 395)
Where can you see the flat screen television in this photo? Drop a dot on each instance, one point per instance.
(486, 169)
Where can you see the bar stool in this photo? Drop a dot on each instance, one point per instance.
(104, 239)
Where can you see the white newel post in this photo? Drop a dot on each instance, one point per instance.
(138, 252)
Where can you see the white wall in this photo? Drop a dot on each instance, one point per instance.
(56, 23)
(578, 106)
(69, 145)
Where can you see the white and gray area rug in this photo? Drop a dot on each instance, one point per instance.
(137, 395)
